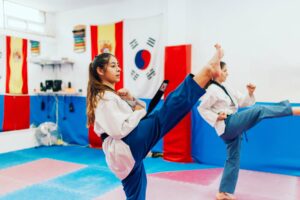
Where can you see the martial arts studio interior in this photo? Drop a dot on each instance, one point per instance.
(49, 50)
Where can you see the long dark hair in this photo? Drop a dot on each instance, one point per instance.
(96, 88)
(222, 64)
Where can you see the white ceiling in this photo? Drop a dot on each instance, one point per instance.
(61, 5)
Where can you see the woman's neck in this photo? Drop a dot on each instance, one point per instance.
(218, 81)
(111, 85)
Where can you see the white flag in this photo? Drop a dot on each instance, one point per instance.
(143, 56)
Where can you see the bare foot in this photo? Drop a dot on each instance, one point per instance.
(210, 70)
(225, 196)
(214, 63)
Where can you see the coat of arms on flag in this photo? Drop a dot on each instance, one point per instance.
(143, 55)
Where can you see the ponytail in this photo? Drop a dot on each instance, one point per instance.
(95, 88)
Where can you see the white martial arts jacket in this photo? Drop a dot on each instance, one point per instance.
(215, 101)
(116, 118)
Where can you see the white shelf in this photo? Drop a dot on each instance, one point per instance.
(53, 63)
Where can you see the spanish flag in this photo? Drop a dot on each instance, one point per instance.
(16, 107)
(106, 38)
(16, 65)
(109, 38)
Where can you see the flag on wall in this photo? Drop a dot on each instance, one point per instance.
(143, 56)
(35, 47)
(16, 65)
(79, 38)
(108, 38)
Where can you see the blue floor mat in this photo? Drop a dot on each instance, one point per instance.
(87, 183)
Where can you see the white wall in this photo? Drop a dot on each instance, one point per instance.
(176, 22)
(2, 53)
(174, 13)
(61, 26)
(260, 39)
(1, 14)
(261, 42)
(2, 65)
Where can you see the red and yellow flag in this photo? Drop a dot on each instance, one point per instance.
(109, 38)
(16, 65)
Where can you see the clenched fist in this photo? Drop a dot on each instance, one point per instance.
(125, 94)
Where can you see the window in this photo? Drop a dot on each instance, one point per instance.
(22, 18)
(36, 28)
(16, 24)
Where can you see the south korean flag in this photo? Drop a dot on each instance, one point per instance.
(143, 56)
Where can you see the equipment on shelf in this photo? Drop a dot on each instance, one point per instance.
(57, 85)
(42, 87)
(49, 84)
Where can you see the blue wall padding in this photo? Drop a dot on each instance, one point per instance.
(39, 114)
(1, 111)
(73, 123)
(273, 144)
